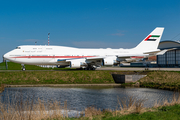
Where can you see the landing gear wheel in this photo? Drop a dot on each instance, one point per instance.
(23, 69)
(90, 68)
(93, 68)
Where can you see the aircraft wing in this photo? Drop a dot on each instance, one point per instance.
(95, 58)
(57, 60)
(62, 60)
(72, 59)
(79, 62)
(88, 58)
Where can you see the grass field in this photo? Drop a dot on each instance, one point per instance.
(162, 80)
(154, 79)
(162, 113)
(55, 77)
(16, 66)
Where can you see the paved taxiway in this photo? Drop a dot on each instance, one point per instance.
(134, 69)
(109, 68)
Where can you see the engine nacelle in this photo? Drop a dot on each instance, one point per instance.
(109, 61)
(131, 60)
(75, 64)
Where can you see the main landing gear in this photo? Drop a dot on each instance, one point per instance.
(90, 68)
(23, 67)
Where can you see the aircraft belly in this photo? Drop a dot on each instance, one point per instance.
(32, 61)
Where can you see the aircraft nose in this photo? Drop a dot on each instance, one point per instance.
(5, 56)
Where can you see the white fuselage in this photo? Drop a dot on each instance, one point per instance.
(84, 58)
(49, 55)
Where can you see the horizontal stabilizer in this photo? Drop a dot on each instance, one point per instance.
(128, 56)
(162, 52)
(158, 52)
(152, 53)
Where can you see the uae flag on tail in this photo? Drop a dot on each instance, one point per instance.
(152, 38)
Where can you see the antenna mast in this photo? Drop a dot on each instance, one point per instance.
(48, 38)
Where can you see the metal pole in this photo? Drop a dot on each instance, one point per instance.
(6, 64)
(48, 38)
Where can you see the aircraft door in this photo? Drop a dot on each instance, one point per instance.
(54, 58)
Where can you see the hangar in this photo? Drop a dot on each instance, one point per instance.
(172, 57)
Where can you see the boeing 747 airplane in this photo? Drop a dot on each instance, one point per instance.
(85, 58)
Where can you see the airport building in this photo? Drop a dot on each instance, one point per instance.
(172, 57)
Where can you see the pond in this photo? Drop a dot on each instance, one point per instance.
(79, 98)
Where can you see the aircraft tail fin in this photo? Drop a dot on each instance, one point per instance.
(151, 42)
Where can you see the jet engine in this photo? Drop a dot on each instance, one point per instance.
(78, 63)
(75, 64)
(109, 61)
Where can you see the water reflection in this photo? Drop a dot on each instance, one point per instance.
(79, 98)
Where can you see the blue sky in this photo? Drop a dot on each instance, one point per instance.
(85, 23)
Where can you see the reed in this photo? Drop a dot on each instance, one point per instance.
(2, 86)
(32, 110)
(92, 111)
(23, 111)
(129, 105)
(175, 100)
(41, 110)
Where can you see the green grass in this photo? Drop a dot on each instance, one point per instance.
(16, 66)
(55, 77)
(161, 113)
(154, 79)
(162, 80)
(3, 66)
(58, 77)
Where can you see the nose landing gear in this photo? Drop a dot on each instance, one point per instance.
(23, 67)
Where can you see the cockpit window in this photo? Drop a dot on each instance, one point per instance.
(18, 47)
